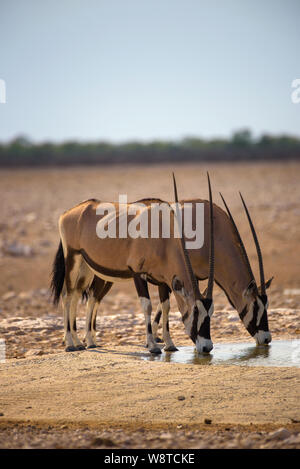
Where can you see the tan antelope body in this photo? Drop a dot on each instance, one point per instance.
(232, 272)
(83, 260)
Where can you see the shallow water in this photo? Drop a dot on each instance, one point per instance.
(278, 353)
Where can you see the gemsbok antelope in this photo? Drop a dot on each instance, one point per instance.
(85, 261)
(233, 274)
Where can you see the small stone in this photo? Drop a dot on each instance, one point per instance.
(30, 217)
(1, 414)
(99, 441)
(25, 295)
(280, 434)
(166, 436)
(181, 398)
(8, 296)
(33, 353)
(207, 421)
(18, 250)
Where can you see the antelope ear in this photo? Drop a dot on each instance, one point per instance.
(251, 291)
(268, 284)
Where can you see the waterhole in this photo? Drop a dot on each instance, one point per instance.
(278, 353)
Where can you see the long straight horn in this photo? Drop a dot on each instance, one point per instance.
(186, 255)
(210, 284)
(259, 255)
(239, 239)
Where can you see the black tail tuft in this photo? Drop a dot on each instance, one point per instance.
(58, 274)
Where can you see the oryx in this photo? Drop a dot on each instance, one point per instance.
(233, 274)
(85, 261)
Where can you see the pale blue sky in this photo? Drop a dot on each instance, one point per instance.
(136, 69)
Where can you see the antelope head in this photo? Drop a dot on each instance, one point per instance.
(196, 318)
(254, 314)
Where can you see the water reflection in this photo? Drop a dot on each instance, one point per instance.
(259, 351)
(279, 353)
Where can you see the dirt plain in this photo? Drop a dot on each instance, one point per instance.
(110, 397)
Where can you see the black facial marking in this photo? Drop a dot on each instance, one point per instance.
(243, 313)
(264, 325)
(194, 325)
(205, 328)
(207, 302)
(252, 328)
(264, 299)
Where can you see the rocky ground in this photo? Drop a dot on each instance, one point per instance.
(31, 325)
(35, 437)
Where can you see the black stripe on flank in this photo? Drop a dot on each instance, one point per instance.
(105, 270)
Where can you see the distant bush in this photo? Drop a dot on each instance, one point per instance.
(241, 146)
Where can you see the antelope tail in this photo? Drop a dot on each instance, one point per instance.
(58, 274)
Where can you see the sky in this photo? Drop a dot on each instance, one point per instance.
(122, 70)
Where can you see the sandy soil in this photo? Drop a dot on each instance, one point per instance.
(110, 397)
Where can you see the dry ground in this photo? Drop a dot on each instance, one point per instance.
(110, 397)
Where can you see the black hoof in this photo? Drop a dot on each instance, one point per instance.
(80, 347)
(70, 348)
(158, 340)
(92, 346)
(156, 350)
(171, 349)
